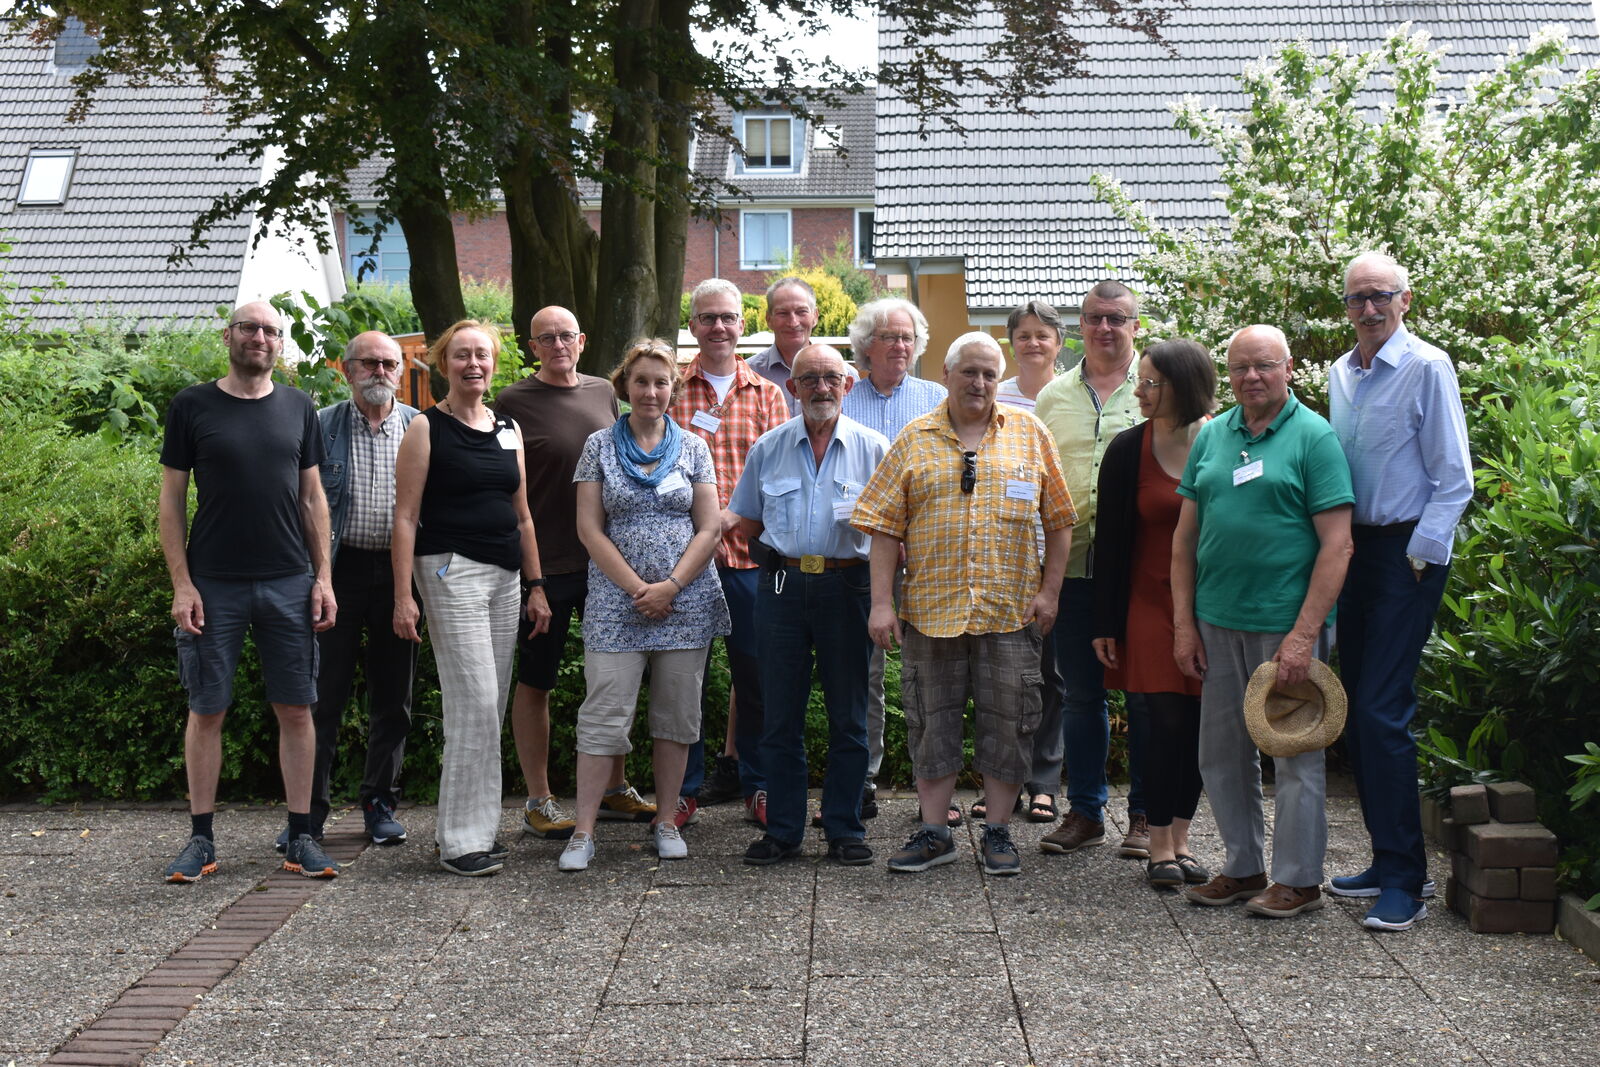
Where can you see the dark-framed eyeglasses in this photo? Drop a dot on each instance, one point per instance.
(709, 319)
(811, 381)
(250, 328)
(373, 366)
(1380, 298)
(1116, 322)
(550, 340)
(969, 471)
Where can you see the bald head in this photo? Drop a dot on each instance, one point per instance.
(819, 380)
(557, 342)
(374, 344)
(372, 363)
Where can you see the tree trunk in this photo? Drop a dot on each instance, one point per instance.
(672, 185)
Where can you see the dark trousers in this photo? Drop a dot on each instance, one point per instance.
(739, 587)
(1385, 615)
(363, 587)
(826, 614)
(1085, 720)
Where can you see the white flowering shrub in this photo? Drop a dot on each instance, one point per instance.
(1490, 196)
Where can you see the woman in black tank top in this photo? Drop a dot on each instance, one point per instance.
(463, 531)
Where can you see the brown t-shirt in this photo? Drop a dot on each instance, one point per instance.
(556, 421)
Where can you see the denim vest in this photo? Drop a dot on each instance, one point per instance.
(335, 420)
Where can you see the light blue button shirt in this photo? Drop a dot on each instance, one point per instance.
(1402, 427)
(783, 488)
(912, 398)
(770, 365)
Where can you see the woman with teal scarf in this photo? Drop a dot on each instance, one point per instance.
(648, 514)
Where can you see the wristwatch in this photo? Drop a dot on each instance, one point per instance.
(1417, 565)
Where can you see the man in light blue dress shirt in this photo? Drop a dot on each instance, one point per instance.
(1396, 408)
(796, 494)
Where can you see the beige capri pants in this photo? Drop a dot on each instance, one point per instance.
(606, 717)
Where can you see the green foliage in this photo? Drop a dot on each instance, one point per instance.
(1587, 780)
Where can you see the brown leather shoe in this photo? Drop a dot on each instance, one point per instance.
(1137, 842)
(1224, 890)
(1283, 901)
(1076, 831)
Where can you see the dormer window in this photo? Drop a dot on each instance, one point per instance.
(47, 176)
(769, 145)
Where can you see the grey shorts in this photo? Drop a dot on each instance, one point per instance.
(1000, 672)
(277, 613)
(606, 717)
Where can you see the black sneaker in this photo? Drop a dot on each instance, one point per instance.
(472, 864)
(869, 801)
(499, 851)
(769, 850)
(198, 859)
(382, 827)
(850, 852)
(999, 851)
(925, 849)
(305, 856)
(722, 784)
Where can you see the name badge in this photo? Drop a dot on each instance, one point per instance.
(1247, 473)
(672, 483)
(843, 510)
(704, 420)
(508, 438)
(1020, 490)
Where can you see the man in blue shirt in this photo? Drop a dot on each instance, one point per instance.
(1396, 408)
(791, 316)
(796, 494)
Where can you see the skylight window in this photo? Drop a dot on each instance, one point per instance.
(48, 174)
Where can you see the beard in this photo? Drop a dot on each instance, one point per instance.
(378, 394)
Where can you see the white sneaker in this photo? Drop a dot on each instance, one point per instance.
(668, 841)
(577, 854)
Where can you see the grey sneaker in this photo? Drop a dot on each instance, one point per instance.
(999, 851)
(668, 841)
(577, 854)
(925, 849)
(305, 856)
(198, 859)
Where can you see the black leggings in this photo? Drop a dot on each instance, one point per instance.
(1171, 757)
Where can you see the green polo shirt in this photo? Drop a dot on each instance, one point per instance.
(1258, 543)
(1083, 427)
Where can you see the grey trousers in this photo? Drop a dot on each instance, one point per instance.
(875, 698)
(1230, 766)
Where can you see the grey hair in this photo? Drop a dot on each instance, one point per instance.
(1402, 277)
(791, 282)
(1277, 335)
(875, 314)
(710, 287)
(975, 339)
(361, 342)
(1046, 314)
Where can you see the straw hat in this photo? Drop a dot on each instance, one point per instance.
(1303, 718)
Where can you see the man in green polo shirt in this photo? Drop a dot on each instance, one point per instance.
(1258, 559)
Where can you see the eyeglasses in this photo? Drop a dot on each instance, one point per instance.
(969, 471)
(811, 381)
(1242, 370)
(1151, 383)
(1116, 322)
(388, 366)
(250, 328)
(727, 318)
(549, 340)
(1380, 298)
(889, 340)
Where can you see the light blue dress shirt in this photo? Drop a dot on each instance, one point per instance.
(783, 488)
(770, 365)
(1402, 427)
(912, 398)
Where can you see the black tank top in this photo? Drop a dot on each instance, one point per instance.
(467, 501)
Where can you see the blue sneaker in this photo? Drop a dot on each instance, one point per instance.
(282, 843)
(305, 856)
(382, 826)
(198, 859)
(1395, 910)
(1365, 884)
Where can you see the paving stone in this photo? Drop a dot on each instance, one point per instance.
(953, 1021)
(1498, 883)
(1538, 883)
(1497, 844)
(697, 1032)
(1512, 802)
(264, 1038)
(1164, 1021)
(1469, 805)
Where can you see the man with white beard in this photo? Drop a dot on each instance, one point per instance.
(362, 437)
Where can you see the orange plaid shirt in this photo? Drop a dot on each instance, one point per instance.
(752, 407)
(971, 562)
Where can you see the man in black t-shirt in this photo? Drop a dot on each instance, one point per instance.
(257, 560)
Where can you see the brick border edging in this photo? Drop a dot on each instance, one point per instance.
(131, 1027)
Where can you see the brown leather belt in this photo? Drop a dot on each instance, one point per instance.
(818, 564)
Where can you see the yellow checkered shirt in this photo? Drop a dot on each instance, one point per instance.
(971, 564)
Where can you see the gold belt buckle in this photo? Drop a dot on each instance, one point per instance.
(812, 564)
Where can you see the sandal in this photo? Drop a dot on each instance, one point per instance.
(980, 809)
(1043, 810)
(1193, 873)
(1163, 874)
(953, 816)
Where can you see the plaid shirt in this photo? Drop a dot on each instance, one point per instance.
(369, 479)
(752, 407)
(970, 562)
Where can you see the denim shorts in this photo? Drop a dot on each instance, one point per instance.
(277, 613)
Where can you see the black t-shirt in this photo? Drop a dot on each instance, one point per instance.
(468, 500)
(247, 456)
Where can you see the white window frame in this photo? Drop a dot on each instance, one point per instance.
(751, 165)
(745, 260)
(855, 236)
(39, 191)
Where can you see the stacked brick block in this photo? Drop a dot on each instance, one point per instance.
(1502, 862)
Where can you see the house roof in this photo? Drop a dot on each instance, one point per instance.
(1013, 198)
(146, 166)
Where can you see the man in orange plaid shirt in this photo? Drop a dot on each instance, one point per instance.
(961, 488)
(729, 406)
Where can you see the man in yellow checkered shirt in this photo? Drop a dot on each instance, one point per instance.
(960, 489)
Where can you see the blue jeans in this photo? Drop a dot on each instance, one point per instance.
(825, 613)
(1385, 615)
(739, 587)
(1085, 725)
